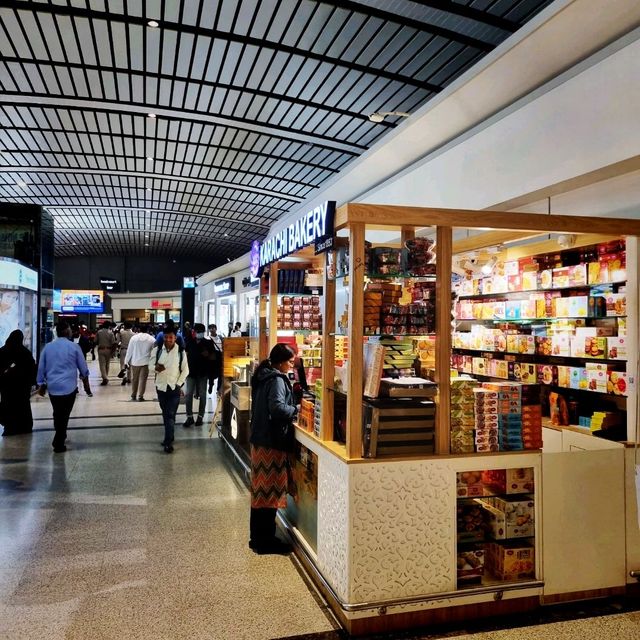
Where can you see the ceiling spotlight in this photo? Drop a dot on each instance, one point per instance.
(151, 115)
(21, 183)
(488, 267)
(226, 235)
(149, 159)
(379, 116)
(153, 24)
(146, 244)
(148, 188)
(74, 243)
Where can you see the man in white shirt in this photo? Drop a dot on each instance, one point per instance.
(137, 359)
(170, 364)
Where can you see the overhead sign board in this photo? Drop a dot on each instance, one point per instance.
(225, 286)
(81, 301)
(314, 227)
(13, 274)
(110, 284)
(189, 282)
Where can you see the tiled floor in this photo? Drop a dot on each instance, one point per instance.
(117, 540)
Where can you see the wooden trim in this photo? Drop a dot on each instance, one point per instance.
(355, 213)
(273, 305)
(328, 357)
(443, 338)
(356, 330)
(589, 594)
(406, 233)
(489, 239)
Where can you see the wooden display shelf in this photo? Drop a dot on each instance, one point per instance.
(469, 296)
(540, 355)
(548, 319)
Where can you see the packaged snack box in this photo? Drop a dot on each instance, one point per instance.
(617, 348)
(509, 516)
(618, 383)
(510, 561)
(470, 565)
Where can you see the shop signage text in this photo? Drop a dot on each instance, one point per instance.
(223, 287)
(161, 304)
(316, 226)
(13, 274)
(110, 284)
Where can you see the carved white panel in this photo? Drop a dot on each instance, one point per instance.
(403, 529)
(333, 522)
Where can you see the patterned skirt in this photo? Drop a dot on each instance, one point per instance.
(269, 478)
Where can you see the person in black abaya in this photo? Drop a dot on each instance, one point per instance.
(17, 377)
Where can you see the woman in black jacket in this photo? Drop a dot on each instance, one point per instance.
(273, 410)
(17, 377)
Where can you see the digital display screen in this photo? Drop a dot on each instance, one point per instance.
(189, 282)
(82, 301)
(56, 302)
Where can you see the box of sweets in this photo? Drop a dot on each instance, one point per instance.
(579, 378)
(543, 345)
(512, 310)
(469, 484)
(526, 344)
(578, 275)
(470, 565)
(510, 561)
(564, 376)
(545, 279)
(617, 383)
(471, 522)
(528, 309)
(509, 481)
(595, 347)
(617, 348)
(547, 374)
(561, 277)
(509, 516)
(616, 304)
(561, 345)
(514, 282)
(597, 377)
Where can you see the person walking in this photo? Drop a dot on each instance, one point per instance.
(237, 331)
(272, 436)
(106, 342)
(137, 359)
(17, 377)
(125, 337)
(59, 363)
(200, 355)
(216, 362)
(172, 369)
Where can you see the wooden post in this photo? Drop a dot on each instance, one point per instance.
(328, 357)
(273, 305)
(443, 338)
(406, 233)
(356, 351)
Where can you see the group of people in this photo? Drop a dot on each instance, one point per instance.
(191, 361)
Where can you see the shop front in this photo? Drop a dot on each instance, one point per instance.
(226, 304)
(146, 308)
(475, 404)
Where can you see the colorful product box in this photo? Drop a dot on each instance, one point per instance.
(579, 378)
(547, 374)
(578, 275)
(514, 283)
(595, 347)
(529, 280)
(469, 484)
(510, 561)
(616, 348)
(509, 516)
(513, 310)
(508, 481)
(564, 376)
(545, 279)
(560, 278)
(528, 309)
(617, 383)
(561, 345)
(470, 565)
(597, 377)
(616, 304)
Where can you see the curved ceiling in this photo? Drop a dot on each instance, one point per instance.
(186, 128)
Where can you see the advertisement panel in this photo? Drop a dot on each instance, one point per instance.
(78, 301)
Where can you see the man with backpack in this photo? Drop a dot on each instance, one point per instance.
(171, 367)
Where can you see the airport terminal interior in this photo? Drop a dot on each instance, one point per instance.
(379, 260)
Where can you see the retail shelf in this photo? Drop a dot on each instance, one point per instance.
(526, 320)
(545, 359)
(471, 296)
(491, 582)
(399, 335)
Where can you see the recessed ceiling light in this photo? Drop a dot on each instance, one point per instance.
(226, 235)
(151, 115)
(74, 243)
(379, 116)
(146, 244)
(148, 188)
(149, 159)
(153, 24)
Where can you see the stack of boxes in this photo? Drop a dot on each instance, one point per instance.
(372, 310)
(341, 350)
(531, 417)
(300, 312)
(306, 416)
(486, 410)
(399, 357)
(317, 414)
(509, 402)
(462, 414)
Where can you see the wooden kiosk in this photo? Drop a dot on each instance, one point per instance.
(386, 545)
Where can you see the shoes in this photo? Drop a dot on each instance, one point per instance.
(270, 547)
(123, 383)
(199, 422)
(188, 422)
(89, 395)
(168, 448)
(61, 449)
(140, 399)
(196, 396)
(133, 397)
(104, 382)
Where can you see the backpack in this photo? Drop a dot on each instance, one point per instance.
(180, 356)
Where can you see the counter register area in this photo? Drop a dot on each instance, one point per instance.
(448, 468)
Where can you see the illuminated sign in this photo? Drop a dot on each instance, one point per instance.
(110, 284)
(315, 227)
(223, 287)
(189, 282)
(81, 301)
(13, 274)
(162, 304)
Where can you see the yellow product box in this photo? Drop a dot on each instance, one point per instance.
(512, 342)
(561, 345)
(561, 277)
(616, 304)
(501, 369)
(595, 347)
(597, 377)
(528, 309)
(510, 561)
(479, 367)
(526, 344)
(564, 376)
(529, 280)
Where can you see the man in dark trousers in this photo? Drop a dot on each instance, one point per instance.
(200, 354)
(60, 362)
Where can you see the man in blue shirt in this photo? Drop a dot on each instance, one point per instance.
(59, 362)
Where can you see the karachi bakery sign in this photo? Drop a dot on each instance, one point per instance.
(314, 227)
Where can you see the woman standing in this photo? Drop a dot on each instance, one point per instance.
(272, 435)
(17, 377)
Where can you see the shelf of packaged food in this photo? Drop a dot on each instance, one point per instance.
(489, 582)
(548, 319)
(301, 295)
(400, 276)
(302, 331)
(493, 495)
(468, 296)
(398, 335)
(545, 358)
(551, 386)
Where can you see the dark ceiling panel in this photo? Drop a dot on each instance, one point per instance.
(257, 104)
